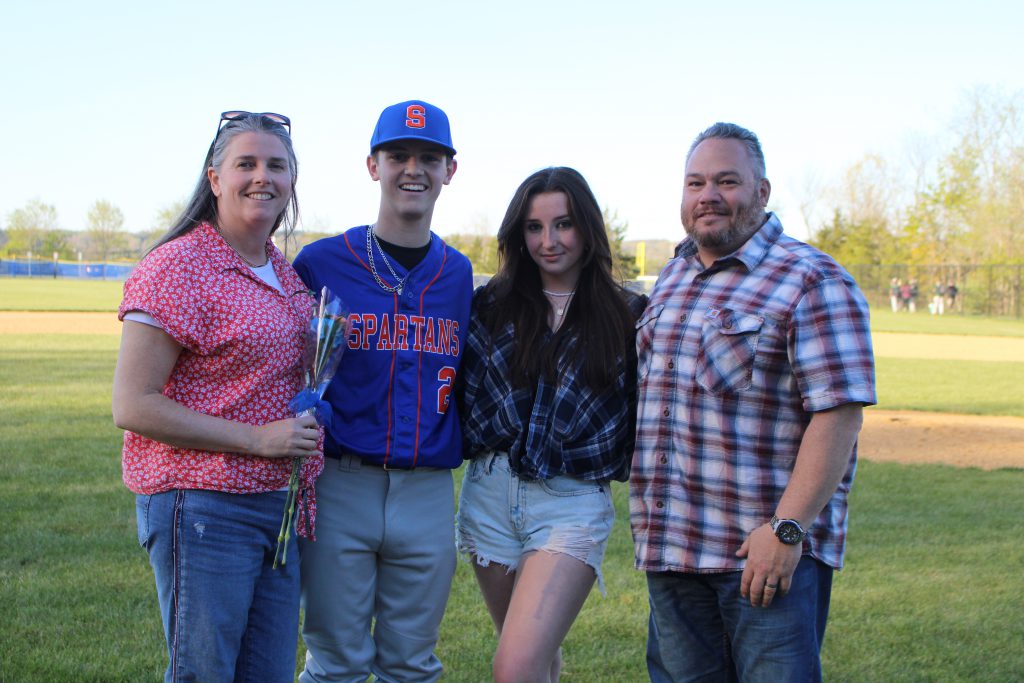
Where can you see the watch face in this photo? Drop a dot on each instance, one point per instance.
(789, 533)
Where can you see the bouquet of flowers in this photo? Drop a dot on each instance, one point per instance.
(325, 343)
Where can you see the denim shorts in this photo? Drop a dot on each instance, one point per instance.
(502, 517)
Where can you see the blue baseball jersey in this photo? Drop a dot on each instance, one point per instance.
(392, 396)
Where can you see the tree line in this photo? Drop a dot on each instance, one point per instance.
(962, 203)
(927, 206)
(34, 229)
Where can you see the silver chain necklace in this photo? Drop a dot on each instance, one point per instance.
(560, 307)
(371, 240)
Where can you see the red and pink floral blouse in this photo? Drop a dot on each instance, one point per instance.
(241, 360)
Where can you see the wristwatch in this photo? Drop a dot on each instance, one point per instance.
(788, 531)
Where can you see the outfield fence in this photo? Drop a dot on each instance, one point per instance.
(64, 269)
(993, 290)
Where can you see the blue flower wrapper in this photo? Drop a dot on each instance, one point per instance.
(307, 400)
(326, 337)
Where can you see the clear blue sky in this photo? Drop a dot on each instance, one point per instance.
(119, 100)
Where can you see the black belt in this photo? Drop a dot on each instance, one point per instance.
(350, 457)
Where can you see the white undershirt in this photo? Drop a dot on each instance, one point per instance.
(264, 272)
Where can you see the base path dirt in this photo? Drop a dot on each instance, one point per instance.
(18, 322)
(961, 440)
(948, 347)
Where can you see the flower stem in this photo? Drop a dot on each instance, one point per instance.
(283, 536)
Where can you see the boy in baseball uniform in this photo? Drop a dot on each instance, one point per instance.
(376, 579)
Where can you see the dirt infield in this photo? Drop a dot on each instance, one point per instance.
(888, 435)
(961, 440)
(948, 347)
(17, 322)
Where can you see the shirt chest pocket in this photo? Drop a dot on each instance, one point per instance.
(645, 338)
(728, 345)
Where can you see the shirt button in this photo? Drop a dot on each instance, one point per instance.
(727, 324)
(682, 318)
(671, 365)
(663, 458)
(665, 412)
(659, 505)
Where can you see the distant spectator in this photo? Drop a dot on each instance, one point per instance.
(894, 294)
(914, 291)
(905, 296)
(951, 292)
(938, 304)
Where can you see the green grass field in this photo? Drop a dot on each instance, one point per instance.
(40, 294)
(932, 589)
(970, 387)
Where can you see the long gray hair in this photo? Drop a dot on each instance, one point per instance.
(202, 205)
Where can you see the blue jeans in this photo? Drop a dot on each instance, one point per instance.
(702, 630)
(227, 615)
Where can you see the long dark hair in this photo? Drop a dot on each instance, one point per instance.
(202, 205)
(598, 324)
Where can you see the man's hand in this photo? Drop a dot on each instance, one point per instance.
(770, 566)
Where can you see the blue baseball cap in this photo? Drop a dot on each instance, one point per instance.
(412, 120)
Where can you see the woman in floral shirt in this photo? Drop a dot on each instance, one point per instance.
(211, 347)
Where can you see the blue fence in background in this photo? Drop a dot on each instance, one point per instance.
(90, 271)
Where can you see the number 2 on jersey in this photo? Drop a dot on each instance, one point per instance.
(446, 376)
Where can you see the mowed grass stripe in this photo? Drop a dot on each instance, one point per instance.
(48, 294)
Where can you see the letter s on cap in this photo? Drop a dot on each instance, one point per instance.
(415, 116)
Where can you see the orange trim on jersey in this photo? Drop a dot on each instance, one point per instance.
(391, 384)
(419, 366)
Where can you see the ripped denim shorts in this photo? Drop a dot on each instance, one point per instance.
(502, 517)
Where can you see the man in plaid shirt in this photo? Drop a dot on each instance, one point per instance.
(754, 365)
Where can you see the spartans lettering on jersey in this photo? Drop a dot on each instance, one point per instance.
(404, 332)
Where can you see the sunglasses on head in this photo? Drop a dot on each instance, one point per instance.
(279, 119)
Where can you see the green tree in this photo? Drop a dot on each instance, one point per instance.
(968, 209)
(623, 264)
(105, 233)
(29, 228)
(972, 212)
(57, 242)
(852, 243)
(162, 222)
(479, 244)
(865, 214)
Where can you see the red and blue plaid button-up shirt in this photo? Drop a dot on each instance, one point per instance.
(733, 360)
